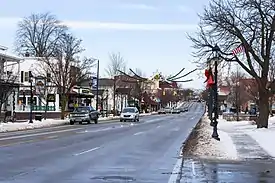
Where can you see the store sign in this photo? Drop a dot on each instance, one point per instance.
(51, 98)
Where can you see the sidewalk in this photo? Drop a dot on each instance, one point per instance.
(239, 141)
(18, 126)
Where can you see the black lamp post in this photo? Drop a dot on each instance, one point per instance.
(31, 102)
(216, 58)
(97, 82)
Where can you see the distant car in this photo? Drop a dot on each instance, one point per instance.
(84, 114)
(175, 111)
(162, 111)
(129, 113)
(167, 110)
(182, 109)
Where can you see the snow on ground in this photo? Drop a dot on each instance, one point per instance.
(227, 148)
(208, 147)
(7, 127)
(264, 136)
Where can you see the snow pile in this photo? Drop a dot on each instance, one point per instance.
(7, 127)
(207, 147)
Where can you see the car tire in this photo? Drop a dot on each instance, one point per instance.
(89, 122)
(138, 119)
(80, 123)
(96, 121)
(120, 120)
(71, 123)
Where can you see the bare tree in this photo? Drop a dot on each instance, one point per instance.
(39, 35)
(139, 72)
(250, 23)
(117, 63)
(234, 82)
(66, 70)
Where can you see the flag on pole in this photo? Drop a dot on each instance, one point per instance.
(238, 50)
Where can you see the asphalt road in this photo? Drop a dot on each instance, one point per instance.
(213, 171)
(143, 152)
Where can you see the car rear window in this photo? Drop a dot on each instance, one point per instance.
(132, 110)
(81, 109)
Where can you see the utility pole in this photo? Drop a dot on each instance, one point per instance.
(114, 96)
(97, 82)
(237, 93)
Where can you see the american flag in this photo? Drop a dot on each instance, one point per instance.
(238, 50)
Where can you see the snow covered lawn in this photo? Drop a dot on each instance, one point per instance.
(210, 148)
(8, 127)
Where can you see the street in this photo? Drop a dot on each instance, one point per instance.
(111, 152)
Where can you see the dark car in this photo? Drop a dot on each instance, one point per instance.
(84, 114)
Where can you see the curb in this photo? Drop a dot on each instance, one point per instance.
(189, 137)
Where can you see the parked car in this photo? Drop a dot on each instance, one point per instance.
(129, 113)
(162, 111)
(167, 110)
(84, 114)
(175, 111)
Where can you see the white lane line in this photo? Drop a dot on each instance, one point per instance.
(38, 134)
(90, 150)
(52, 137)
(138, 133)
(158, 126)
(173, 178)
(193, 168)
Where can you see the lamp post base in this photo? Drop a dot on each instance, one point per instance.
(215, 135)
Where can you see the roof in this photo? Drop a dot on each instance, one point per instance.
(9, 58)
(165, 84)
(224, 90)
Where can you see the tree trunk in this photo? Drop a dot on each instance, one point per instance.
(63, 106)
(262, 121)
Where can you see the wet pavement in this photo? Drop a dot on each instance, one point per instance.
(219, 171)
(142, 152)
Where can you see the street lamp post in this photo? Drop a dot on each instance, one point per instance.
(31, 102)
(97, 82)
(216, 58)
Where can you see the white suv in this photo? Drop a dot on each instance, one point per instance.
(129, 113)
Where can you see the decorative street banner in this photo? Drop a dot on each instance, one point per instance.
(94, 82)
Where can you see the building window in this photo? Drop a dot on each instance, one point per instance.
(26, 78)
(34, 101)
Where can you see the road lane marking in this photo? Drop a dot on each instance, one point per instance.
(138, 133)
(93, 131)
(38, 134)
(193, 168)
(175, 174)
(158, 126)
(90, 150)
